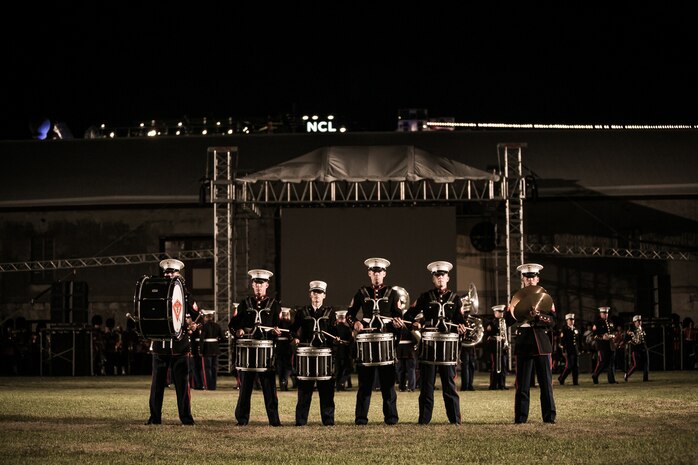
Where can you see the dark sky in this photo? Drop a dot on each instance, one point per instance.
(124, 62)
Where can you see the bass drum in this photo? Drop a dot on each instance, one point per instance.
(160, 307)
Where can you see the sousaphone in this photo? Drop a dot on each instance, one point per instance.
(530, 299)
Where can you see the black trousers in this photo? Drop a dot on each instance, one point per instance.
(525, 365)
(271, 402)
(210, 380)
(386, 376)
(467, 369)
(325, 389)
(571, 366)
(427, 379)
(639, 360)
(605, 361)
(178, 365)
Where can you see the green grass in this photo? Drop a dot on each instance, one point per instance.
(99, 420)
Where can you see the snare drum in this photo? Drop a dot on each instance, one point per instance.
(375, 349)
(439, 348)
(254, 354)
(159, 305)
(314, 363)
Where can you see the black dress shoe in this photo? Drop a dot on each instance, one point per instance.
(595, 379)
(189, 423)
(552, 422)
(152, 422)
(561, 381)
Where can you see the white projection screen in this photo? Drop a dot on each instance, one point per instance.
(331, 244)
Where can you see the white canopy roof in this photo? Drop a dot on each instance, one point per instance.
(369, 163)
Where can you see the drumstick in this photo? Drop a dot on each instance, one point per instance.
(268, 328)
(342, 341)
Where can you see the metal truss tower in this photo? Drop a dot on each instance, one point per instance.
(514, 183)
(222, 193)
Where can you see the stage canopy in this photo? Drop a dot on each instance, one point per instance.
(369, 163)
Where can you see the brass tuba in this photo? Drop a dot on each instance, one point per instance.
(403, 298)
(474, 330)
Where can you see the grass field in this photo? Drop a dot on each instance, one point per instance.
(99, 420)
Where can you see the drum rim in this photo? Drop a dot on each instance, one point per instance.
(435, 335)
(314, 350)
(255, 342)
(381, 336)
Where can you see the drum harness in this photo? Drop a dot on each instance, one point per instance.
(258, 316)
(318, 337)
(376, 308)
(441, 324)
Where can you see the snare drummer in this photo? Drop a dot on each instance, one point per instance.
(441, 312)
(311, 327)
(257, 317)
(380, 306)
(172, 355)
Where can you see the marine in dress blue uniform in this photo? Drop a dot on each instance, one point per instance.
(310, 328)
(569, 341)
(172, 356)
(254, 312)
(533, 351)
(212, 335)
(637, 338)
(603, 331)
(379, 304)
(441, 312)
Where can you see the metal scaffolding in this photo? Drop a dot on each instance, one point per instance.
(514, 205)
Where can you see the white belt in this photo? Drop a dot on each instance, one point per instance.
(406, 342)
(210, 339)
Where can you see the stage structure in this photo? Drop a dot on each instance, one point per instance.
(352, 176)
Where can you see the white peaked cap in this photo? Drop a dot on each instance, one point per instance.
(376, 262)
(529, 268)
(435, 267)
(171, 264)
(260, 274)
(318, 286)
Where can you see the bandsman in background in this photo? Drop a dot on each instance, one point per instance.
(604, 332)
(496, 347)
(569, 343)
(344, 365)
(637, 339)
(284, 353)
(196, 364)
(212, 335)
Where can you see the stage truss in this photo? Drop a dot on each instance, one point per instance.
(237, 201)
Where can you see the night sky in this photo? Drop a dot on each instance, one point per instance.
(125, 62)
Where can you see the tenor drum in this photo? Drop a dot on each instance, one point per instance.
(439, 348)
(314, 363)
(254, 354)
(375, 349)
(160, 307)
